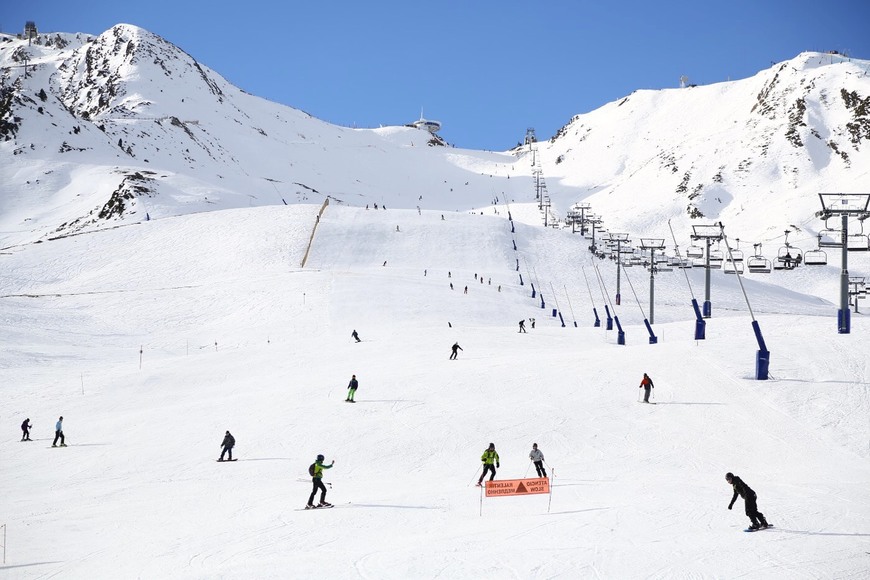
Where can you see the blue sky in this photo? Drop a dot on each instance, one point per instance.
(487, 69)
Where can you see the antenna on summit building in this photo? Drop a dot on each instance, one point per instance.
(683, 81)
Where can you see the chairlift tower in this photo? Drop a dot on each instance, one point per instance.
(530, 136)
(652, 244)
(595, 222)
(618, 239)
(709, 234)
(845, 205)
(577, 214)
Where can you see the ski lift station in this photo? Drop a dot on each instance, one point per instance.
(426, 124)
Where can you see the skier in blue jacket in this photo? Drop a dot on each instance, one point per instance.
(58, 433)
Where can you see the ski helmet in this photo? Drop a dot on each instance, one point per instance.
(729, 476)
(320, 458)
(492, 445)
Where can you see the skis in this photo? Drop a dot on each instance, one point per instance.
(349, 401)
(316, 507)
(225, 460)
(750, 530)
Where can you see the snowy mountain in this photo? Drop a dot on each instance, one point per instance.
(232, 307)
(113, 127)
(752, 153)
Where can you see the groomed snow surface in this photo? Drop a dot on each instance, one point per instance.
(154, 339)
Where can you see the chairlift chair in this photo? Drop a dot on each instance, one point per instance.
(758, 265)
(694, 251)
(733, 267)
(716, 259)
(817, 257)
(829, 238)
(857, 243)
(737, 255)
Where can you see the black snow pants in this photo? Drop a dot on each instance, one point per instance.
(318, 484)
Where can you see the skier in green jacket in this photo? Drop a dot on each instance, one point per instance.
(317, 479)
(489, 458)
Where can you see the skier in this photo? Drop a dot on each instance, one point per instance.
(647, 385)
(25, 430)
(532, 320)
(355, 335)
(489, 458)
(749, 500)
(351, 389)
(538, 459)
(58, 433)
(466, 290)
(454, 348)
(228, 443)
(523, 325)
(316, 471)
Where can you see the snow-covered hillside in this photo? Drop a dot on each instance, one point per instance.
(752, 153)
(153, 339)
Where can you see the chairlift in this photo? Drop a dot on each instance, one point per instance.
(716, 259)
(857, 243)
(733, 267)
(757, 263)
(694, 251)
(737, 253)
(674, 262)
(817, 257)
(788, 256)
(685, 264)
(829, 238)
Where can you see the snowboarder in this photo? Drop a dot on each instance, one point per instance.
(228, 443)
(454, 348)
(351, 389)
(749, 500)
(355, 335)
(25, 430)
(489, 458)
(538, 459)
(316, 471)
(58, 433)
(646, 384)
(523, 325)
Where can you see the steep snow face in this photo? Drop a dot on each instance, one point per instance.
(752, 153)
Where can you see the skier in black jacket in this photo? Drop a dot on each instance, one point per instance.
(749, 500)
(228, 443)
(25, 430)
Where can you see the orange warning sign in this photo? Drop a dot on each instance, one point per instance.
(505, 487)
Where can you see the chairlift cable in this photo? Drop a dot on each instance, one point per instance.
(627, 277)
(677, 250)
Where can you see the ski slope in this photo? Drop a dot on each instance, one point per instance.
(152, 339)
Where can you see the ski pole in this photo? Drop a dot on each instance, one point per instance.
(527, 470)
(475, 475)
